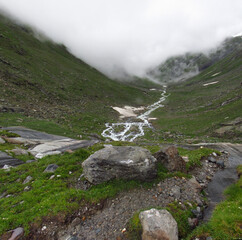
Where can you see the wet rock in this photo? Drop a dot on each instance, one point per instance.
(211, 159)
(51, 168)
(171, 159)
(197, 213)
(27, 179)
(120, 163)
(220, 163)
(158, 224)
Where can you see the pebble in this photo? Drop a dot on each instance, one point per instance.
(27, 180)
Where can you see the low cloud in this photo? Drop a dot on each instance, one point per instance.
(130, 36)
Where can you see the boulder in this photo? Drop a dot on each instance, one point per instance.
(121, 163)
(170, 159)
(158, 225)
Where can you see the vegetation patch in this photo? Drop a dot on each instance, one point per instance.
(51, 194)
(6, 133)
(226, 221)
(195, 156)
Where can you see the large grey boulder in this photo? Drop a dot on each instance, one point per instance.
(120, 163)
(158, 225)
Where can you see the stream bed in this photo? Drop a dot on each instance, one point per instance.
(133, 128)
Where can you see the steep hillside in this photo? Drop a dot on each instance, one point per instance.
(43, 80)
(207, 105)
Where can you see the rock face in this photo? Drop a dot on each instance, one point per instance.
(171, 159)
(158, 225)
(120, 163)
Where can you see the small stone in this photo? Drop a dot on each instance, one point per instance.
(124, 230)
(76, 222)
(98, 230)
(220, 163)
(69, 151)
(27, 179)
(193, 222)
(211, 159)
(7, 168)
(58, 176)
(214, 154)
(44, 228)
(2, 141)
(51, 177)
(51, 168)
(176, 192)
(30, 161)
(209, 238)
(27, 188)
(72, 238)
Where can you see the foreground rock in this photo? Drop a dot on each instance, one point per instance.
(171, 159)
(120, 163)
(13, 234)
(158, 225)
(5, 159)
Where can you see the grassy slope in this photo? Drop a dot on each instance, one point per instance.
(47, 82)
(195, 110)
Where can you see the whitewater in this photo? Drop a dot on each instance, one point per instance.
(126, 129)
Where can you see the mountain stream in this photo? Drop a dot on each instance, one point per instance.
(132, 129)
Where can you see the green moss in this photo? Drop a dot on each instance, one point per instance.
(226, 221)
(195, 156)
(6, 133)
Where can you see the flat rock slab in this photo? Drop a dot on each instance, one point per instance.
(5, 159)
(33, 135)
(46, 144)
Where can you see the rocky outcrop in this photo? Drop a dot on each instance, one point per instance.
(158, 225)
(120, 163)
(45, 144)
(171, 159)
(5, 159)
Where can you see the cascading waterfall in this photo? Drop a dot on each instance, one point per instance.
(129, 131)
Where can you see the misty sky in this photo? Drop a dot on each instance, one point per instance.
(130, 35)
